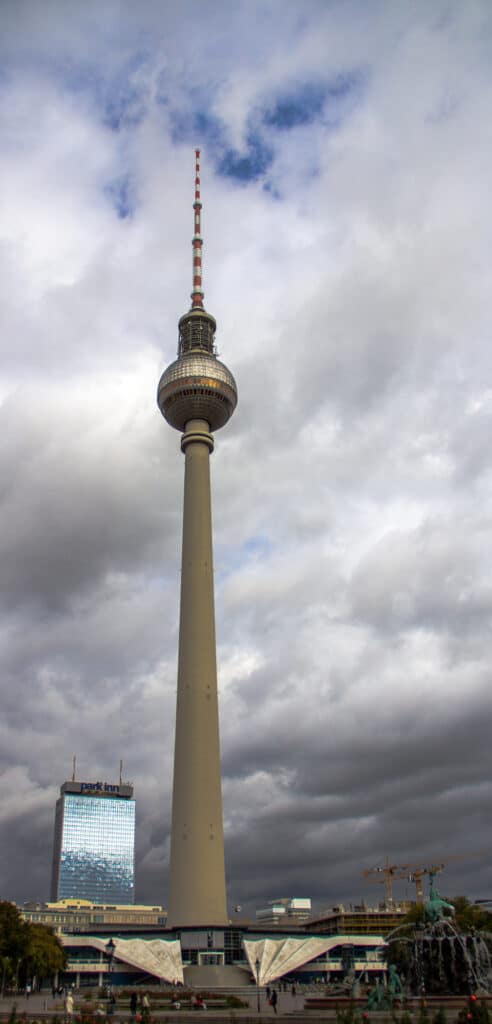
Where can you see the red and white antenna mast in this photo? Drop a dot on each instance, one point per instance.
(197, 242)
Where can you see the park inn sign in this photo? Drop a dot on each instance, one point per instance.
(99, 789)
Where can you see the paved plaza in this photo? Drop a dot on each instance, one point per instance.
(43, 1003)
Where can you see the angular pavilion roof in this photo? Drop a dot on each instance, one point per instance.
(277, 957)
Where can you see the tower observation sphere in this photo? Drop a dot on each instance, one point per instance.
(197, 394)
(197, 386)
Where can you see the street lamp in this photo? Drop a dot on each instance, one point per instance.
(110, 948)
(257, 968)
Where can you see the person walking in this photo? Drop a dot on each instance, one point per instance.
(68, 1005)
(273, 1000)
(133, 1005)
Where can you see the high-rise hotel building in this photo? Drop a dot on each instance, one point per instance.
(94, 843)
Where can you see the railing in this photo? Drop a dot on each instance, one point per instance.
(87, 965)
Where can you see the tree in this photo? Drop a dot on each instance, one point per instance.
(470, 917)
(13, 931)
(6, 968)
(13, 942)
(45, 954)
(27, 950)
(416, 914)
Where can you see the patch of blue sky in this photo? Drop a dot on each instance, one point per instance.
(247, 165)
(120, 97)
(120, 193)
(198, 127)
(202, 128)
(257, 547)
(299, 108)
(272, 189)
(227, 561)
(311, 101)
(326, 100)
(125, 108)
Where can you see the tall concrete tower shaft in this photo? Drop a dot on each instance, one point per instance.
(197, 394)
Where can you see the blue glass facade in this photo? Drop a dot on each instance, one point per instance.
(94, 855)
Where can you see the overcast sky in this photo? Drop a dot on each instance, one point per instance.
(346, 166)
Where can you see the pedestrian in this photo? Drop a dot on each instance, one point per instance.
(268, 992)
(293, 990)
(28, 991)
(133, 1005)
(145, 1008)
(273, 1001)
(69, 1005)
(111, 1004)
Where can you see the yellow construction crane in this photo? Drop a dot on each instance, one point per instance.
(418, 871)
(417, 875)
(389, 871)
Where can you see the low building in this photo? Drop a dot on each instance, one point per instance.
(359, 920)
(129, 945)
(125, 957)
(71, 916)
(285, 911)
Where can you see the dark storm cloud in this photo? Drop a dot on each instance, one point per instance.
(429, 579)
(57, 540)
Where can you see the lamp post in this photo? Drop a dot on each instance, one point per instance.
(257, 968)
(110, 948)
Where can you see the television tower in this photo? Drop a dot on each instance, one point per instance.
(197, 394)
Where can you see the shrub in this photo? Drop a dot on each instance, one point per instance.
(347, 1015)
(234, 1003)
(475, 1012)
(406, 1018)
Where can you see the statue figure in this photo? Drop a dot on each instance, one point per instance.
(395, 987)
(436, 908)
(384, 998)
(376, 1000)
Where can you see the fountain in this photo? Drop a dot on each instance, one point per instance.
(435, 957)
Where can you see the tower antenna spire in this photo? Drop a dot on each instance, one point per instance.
(197, 241)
